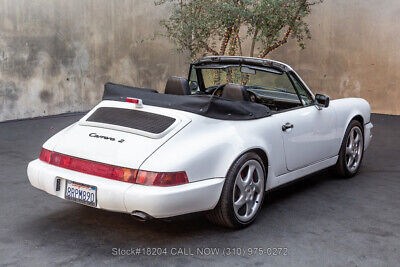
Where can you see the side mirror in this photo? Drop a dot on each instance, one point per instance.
(322, 100)
(193, 85)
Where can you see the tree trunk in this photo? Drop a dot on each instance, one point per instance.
(253, 42)
(233, 42)
(239, 44)
(225, 40)
(271, 48)
(284, 40)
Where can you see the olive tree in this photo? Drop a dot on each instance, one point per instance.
(219, 27)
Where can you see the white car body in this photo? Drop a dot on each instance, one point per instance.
(204, 148)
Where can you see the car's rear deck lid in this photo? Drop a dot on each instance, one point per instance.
(148, 121)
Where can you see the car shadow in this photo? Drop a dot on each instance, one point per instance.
(306, 183)
(103, 229)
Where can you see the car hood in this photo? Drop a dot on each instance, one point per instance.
(113, 144)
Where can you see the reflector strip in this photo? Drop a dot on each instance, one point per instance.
(88, 167)
(113, 172)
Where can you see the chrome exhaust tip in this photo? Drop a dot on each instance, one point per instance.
(141, 216)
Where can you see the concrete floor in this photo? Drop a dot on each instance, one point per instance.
(321, 220)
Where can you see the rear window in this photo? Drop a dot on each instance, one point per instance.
(140, 120)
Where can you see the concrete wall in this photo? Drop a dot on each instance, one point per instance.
(354, 52)
(55, 56)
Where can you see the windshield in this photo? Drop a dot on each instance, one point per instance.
(256, 79)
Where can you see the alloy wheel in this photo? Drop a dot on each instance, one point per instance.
(354, 149)
(248, 190)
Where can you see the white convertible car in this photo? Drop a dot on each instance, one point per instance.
(216, 142)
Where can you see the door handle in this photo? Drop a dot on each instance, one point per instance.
(286, 126)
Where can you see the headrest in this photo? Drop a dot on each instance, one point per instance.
(177, 86)
(236, 92)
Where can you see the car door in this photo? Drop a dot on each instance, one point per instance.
(308, 135)
(308, 132)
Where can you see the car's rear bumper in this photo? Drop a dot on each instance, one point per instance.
(367, 134)
(158, 202)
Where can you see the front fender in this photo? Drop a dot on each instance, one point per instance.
(347, 109)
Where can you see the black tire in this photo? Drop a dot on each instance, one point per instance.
(223, 214)
(341, 165)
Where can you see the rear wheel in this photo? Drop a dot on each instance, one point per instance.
(243, 193)
(351, 151)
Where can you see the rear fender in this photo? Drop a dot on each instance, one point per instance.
(207, 149)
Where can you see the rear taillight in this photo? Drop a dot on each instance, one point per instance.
(88, 167)
(161, 178)
(113, 172)
(45, 155)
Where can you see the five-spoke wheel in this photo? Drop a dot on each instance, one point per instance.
(351, 151)
(248, 190)
(354, 148)
(243, 193)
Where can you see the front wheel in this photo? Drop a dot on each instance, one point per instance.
(243, 193)
(351, 151)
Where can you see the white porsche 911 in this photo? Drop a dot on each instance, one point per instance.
(216, 142)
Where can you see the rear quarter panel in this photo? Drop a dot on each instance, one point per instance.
(206, 148)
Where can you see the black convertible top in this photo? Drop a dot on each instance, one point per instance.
(205, 105)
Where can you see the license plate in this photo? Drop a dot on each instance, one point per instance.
(81, 193)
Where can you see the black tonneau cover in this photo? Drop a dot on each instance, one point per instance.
(205, 105)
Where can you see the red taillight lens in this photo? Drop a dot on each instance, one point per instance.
(113, 172)
(88, 167)
(161, 178)
(45, 155)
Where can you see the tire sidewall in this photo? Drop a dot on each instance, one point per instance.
(229, 186)
(342, 167)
